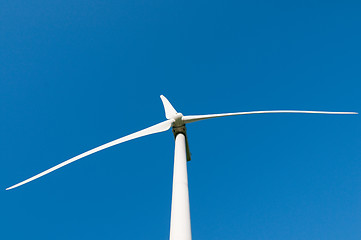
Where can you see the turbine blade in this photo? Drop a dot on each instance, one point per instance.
(194, 118)
(160, 127)
(168, 108)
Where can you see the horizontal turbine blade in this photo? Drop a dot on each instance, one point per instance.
(194, 118)
(160, 127)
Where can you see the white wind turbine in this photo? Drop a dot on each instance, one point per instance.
(180, 228)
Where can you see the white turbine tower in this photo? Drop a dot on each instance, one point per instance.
(180, 227)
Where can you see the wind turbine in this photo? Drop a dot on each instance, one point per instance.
(180, 228)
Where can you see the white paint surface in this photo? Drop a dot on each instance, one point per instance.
(180, 223)
(160, 127)
(195, 118)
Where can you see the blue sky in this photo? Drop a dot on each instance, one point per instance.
(77, 74)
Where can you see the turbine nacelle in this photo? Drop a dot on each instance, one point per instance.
(178, 120)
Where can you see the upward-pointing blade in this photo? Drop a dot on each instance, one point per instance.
(160, 127)
(170, 112)
(194, 118)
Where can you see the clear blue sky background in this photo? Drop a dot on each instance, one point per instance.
(77, 74)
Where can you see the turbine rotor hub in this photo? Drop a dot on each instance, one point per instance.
(178, 121)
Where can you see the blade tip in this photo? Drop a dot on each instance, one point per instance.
(12, 187)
